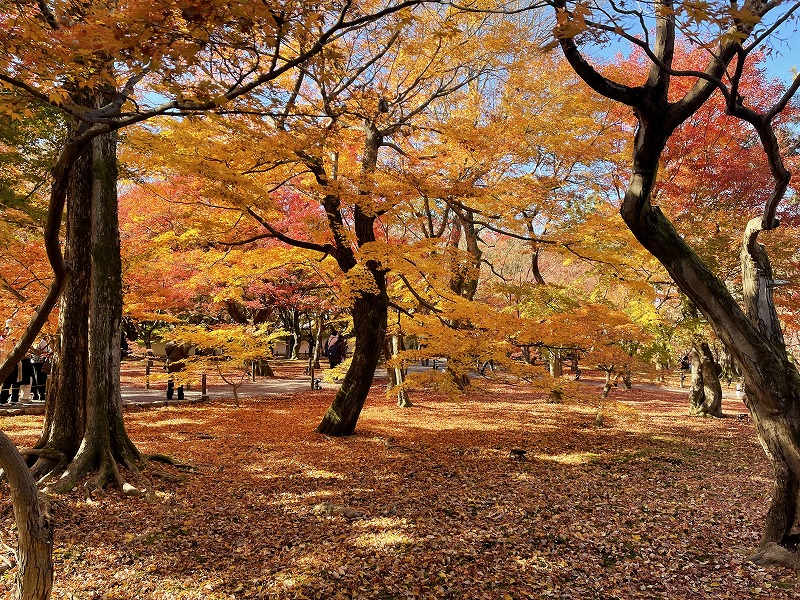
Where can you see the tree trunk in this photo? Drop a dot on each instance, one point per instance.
(527, 355)
(403, 399)
(771, 381)
(705, 394)
(555, 364)
(728, 365)
(627, 377)
(774, 401)
(102, 440)
(369, 312)
(297, 334)
(391, 376)
(318, 327)
(535, 268)
(609, 383)
(65, 406)
(696, 388)
(34, 530)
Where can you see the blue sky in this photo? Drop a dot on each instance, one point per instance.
(784, 55)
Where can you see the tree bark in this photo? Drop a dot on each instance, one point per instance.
(370, 307)
(608, 384)
(403, 399)
(771, 381)
(391, 376)
(369, 312)
(297, 334)
(97, 439)
(34, 529)
(554, 362)
(705, 393)
(65, 406)
(318, 328)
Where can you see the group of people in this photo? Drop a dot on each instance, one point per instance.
(334, 349)
(32, 370)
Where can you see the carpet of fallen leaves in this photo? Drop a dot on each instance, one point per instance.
(655, 504)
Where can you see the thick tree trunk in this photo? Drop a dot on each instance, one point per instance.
(102, 441)
(705, 393)
(465, 280)
(775, 407)
(728, 365)
(696, 388)
(554, 363)
(369, 326)
(34, 530)
(753, 335)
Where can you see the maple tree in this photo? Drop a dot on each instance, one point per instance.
(203, 279)
(87, 60)
(490, 166)
(325, 140)
(752, 332)
(228, 350)
(334, 159)
(49, 43)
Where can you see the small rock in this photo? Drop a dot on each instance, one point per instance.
(129, 490)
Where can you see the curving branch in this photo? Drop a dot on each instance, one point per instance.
(324, 248)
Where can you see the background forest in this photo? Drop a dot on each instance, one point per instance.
(533, 197)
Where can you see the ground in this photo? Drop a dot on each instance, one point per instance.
(655, 504)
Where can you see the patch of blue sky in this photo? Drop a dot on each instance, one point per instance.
(781, 48)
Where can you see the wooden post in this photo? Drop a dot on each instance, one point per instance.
(204, 389)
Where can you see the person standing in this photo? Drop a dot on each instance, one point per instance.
(11, 385)
(176, 362)
(42, 363)
(335, 348)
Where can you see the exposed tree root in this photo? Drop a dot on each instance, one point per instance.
(171, 460)
(773, 554)
(51, 455)
(103, 470)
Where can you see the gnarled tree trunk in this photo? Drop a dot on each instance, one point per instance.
(772, 382)
(705, 393)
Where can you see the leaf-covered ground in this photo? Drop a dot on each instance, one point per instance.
(653, 505)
